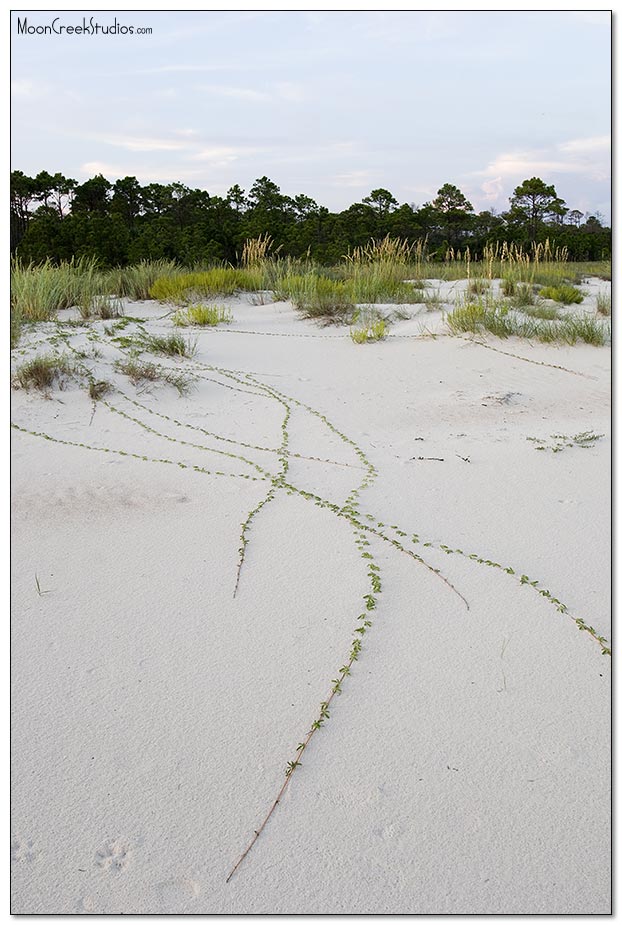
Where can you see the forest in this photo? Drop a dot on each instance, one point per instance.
(55, 218)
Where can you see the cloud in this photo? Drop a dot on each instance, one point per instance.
(493, 189)
(27, 89)
(150, 174)
(355, 178)
(282, 91)
(138, 143)
(246, 94)
(587, 145)
(594, 17)
(588, 157)
(221, 156)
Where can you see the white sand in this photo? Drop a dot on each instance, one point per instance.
(465, 767)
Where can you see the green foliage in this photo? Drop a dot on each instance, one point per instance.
(523, 297)
(98, 388)
(560, 442)
(43, 372)
(547, 312)
(497, 319)
(567, 295)
(477, 287)
(368, 327)
(203, 316)
(478, 317)
(170, 345)
(141, 373)
(39, 291)
(603, 304)
(181, 288)
(135, 282)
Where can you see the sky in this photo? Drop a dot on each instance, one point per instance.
(326, 103)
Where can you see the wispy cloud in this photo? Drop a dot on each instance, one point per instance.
(247, 94)
(590, 146)
(138, 143)
(27, 89)
(594, 17)
(150, 173)
(354, 178)
(586, 156)
(281, 91)
(222, 155)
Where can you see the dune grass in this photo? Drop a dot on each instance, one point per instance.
(39, 291)
(135, 282)
(368, 326)
(181, 288)
(539, 310)
(603, 304)
(496, 318)
(203, 316)
(141, 373)
(44, 372)
(173, 345)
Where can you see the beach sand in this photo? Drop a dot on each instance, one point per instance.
(465, 767)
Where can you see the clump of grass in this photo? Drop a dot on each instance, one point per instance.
(203, 316)
(317, 296)
(586, 328)
(433, 301)
(43, 372)
(256, 251)
(369, 330)
(141, 373)
(98, 388)
(477, 287)
(508, 285)
(476, 317)
(15, 328)
(567, 295)
(603, 304)
(523, 295)
(382, 282)
(172, 345)
(39, 291)
(546, 312)
(104, 307)
(135, 282)
(182, 288)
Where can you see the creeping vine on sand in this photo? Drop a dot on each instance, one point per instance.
(365, 526)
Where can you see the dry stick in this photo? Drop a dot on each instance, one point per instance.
(285, 784)
(346, 669)
(413, 555)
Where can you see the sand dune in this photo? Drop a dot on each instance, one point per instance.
(465, 764)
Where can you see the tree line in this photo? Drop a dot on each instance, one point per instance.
(53, 216)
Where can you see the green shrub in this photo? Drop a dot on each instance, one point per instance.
(203, 316)
(567, 295)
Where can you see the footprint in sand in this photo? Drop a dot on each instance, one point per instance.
(85, 905)
(177, 889)
(23, 850)
(113, 856)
